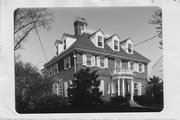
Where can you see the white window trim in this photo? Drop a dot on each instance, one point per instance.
(128, 48)
(101, 87)
(139, 88)
(114, 44)
(57, 88)
(100, 62)
(120, 62)
(86, 60)
(102, 41)
(108, 88)
(67, 60)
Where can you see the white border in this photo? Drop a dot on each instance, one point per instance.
(171, 36)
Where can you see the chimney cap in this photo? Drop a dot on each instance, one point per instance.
(80, 20)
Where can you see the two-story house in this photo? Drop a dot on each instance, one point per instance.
(121, 69)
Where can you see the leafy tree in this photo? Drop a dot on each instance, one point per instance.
(29, 85)
(25, 21)
(155, 89)
(84, 91)
(157, 20)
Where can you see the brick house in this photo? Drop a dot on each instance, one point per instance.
(121, 69)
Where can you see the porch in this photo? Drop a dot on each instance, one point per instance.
(122, 86)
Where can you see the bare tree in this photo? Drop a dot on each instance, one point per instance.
(157, 21)
(25, 21)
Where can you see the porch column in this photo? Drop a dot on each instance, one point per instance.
(118, 87)
(123, 90)
(132, 89)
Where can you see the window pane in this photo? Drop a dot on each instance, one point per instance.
(116, 45)
(140, 67)
(102, 62)
(129, 48)
(132, 66)
(100, 41)
(88, 59)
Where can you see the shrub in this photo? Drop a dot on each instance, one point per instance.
(119, 100)
(50, 103)
(143, 100)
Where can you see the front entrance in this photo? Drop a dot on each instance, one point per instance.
(123, 87)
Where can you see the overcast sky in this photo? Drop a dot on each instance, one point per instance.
(125, 21)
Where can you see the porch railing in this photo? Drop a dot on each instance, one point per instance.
(119, 71)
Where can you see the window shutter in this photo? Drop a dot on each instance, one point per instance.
(106, 62)
(139, 89)
(84, 59)
(69, 62)
(98, 61)
(129, 65)
(65, 89)
(93, 61)
(143, 69)
(102, 86)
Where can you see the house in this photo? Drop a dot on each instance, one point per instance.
(121, 69)
(157, 68)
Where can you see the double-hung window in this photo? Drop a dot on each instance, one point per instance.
(55, 88)
(67, 62)
(118, 66)
(115, 45)
(89, 62)
(56, 49)
(129, 48)
(102, 62)
(64, 44)
(132, 66)
(140, 67)
(100, 41)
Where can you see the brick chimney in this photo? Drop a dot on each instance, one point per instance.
(80, 26)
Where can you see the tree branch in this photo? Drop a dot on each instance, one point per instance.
(19, 42)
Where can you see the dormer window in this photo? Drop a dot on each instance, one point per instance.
(115, 45)
(56, 49)
(129, 48)
(64, 44)
(100, 41)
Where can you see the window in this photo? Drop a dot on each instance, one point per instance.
(115, 44)
(118, 66)
(56, 68)
(108, 88)
(100, 41)
(135, 88)
(55, 88)
(140, 67)
(64, 44)
(101, 87)
(67, 62)
(132, 66)
(56, 49)
(129, 48)
(61, 87)
(88, 60)
(102, 62)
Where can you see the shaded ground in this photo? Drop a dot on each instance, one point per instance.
(103, 109)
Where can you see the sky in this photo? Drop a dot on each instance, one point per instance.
(125, 21)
